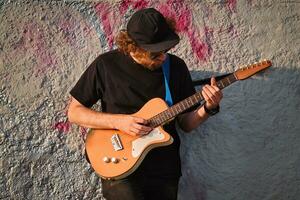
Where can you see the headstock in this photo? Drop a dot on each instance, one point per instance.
(252, 69)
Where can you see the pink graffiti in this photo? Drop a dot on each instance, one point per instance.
(71, 29)
(179, 11)
(137, 4)
(207, 11)
(68, 26)
(34, 38)
(110, 19)
(231, 5)
(103, 12)
(83, 132)
(200, 40)
(62, 127)
(182, 14)
(230, 30)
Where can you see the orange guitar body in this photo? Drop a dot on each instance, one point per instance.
(111, 163)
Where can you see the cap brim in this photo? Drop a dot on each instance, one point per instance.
(170, 41)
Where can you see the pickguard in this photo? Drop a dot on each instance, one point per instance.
(141, 143)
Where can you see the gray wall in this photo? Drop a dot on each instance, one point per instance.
(250, 150)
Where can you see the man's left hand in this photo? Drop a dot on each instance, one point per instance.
(212, 94)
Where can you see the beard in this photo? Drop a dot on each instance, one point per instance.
(147, 62)
(152, 64)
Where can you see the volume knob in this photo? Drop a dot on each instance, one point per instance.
(114, 160)
(106, 159)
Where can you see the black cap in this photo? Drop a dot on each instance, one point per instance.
(149, 29)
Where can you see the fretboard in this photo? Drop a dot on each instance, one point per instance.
(187, 103)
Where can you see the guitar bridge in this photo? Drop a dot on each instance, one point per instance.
(116, 142)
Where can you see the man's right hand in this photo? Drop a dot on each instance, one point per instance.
(131, 125)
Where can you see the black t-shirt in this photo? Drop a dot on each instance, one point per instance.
(124, 86)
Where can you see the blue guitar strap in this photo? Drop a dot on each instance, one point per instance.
(166, 72)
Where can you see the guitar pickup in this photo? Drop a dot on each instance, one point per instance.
(116, 142)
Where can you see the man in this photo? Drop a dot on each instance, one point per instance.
(124, 80)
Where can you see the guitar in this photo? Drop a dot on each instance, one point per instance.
(115, 155)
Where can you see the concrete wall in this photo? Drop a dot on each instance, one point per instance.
(250, 150)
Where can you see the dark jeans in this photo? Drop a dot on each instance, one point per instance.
(141, 188)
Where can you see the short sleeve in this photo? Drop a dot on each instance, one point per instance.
(89, 88)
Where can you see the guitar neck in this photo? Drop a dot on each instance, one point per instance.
(187, 103)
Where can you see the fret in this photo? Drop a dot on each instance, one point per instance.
(199, 96)
(172, 111)
(167, 113)
(189, 101)
(229, 80)
(160, 119)
(153, 122)
(157, 119)
(226, 82)
(156, 123)
(195, 99)
(184, 104)
(180, 106)
(173, 108)
(232, 78)
(221, 81)
(176, 109)
(163, 116)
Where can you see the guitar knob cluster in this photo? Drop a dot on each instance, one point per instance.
(108, 160)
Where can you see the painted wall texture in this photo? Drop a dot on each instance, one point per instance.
(250, 150)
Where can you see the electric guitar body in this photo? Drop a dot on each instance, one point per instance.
(115, 155)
